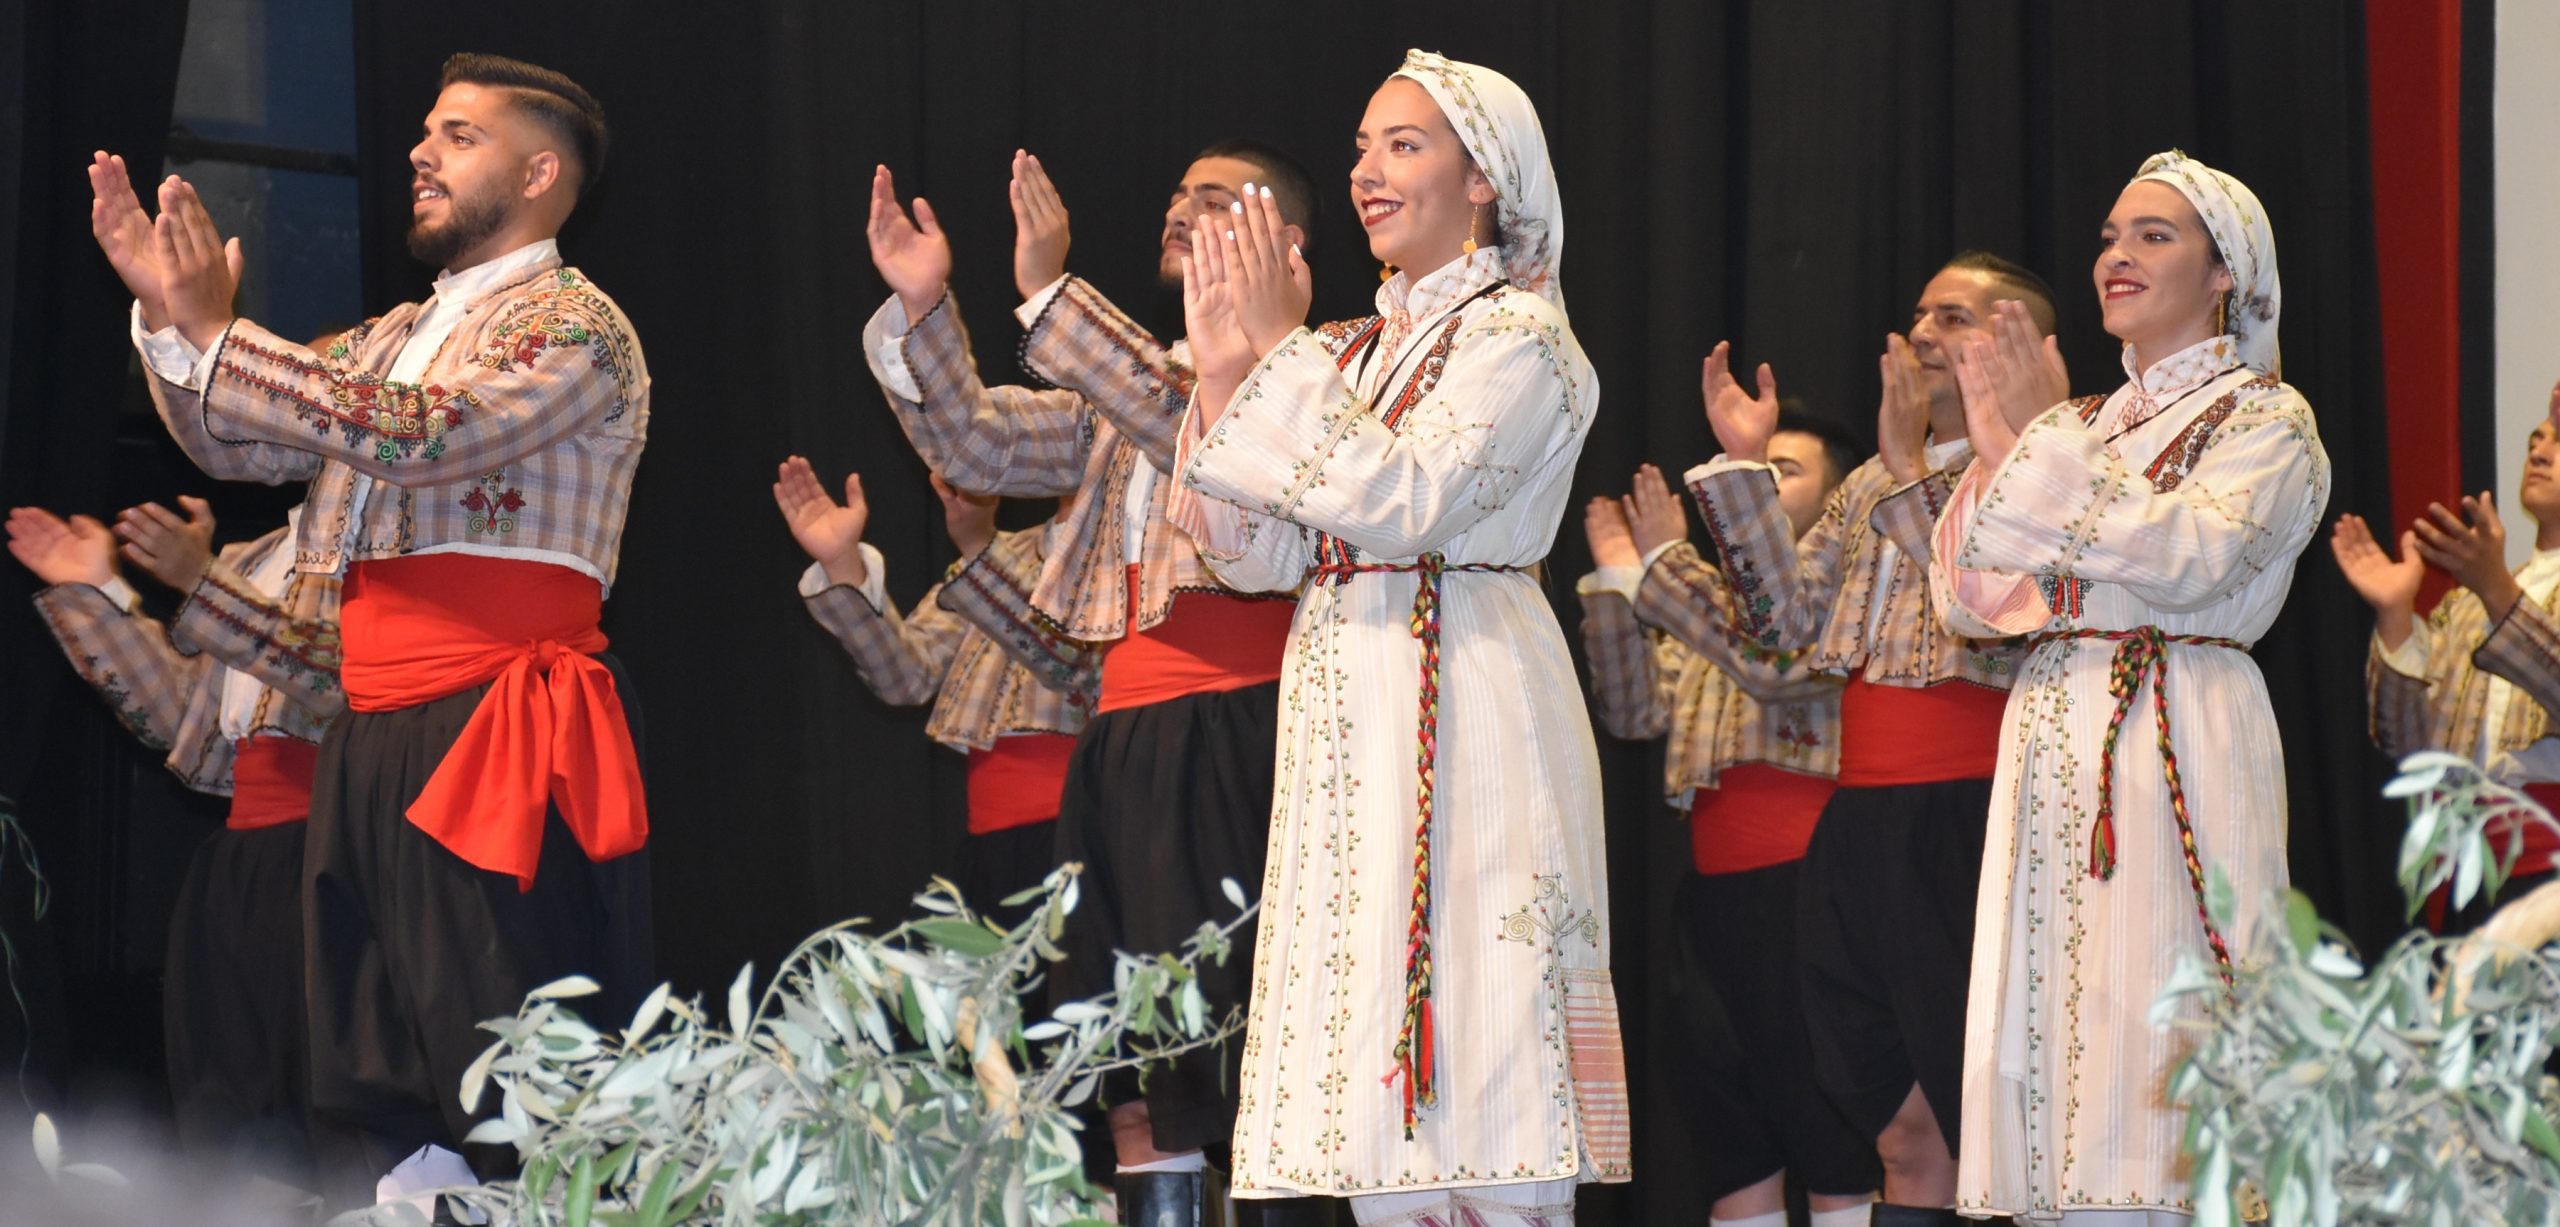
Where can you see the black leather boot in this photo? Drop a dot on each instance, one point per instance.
(1160, 1199)
(1887, 1214)
(1286, 1212)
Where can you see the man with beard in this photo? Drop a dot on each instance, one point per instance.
(1885, 906)
(1169, 792)
(477, 817)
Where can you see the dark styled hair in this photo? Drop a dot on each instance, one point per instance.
(2030, 289)
(1840, 445)
(552, 99)
(1291, 186)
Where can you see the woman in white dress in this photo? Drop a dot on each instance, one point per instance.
(2147, 537)
(1433, 1032)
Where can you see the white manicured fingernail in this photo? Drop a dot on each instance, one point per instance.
(1237, 207)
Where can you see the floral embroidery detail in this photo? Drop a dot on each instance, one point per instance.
(405, 419)
(2170, 468)
(564, 319)
(494, 504)
(1550, 912)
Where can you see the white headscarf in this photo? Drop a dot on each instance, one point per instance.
(1500, 128)
(2239, 227)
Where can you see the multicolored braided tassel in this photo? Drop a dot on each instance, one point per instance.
(1414, 1052)
(2143, 654)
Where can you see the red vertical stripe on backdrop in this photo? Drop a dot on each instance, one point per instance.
(2413, 60)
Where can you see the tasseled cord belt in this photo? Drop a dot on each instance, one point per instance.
(1413, 1051)
(2143, 654)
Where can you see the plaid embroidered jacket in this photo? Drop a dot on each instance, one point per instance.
(940, 651)
(1120, 398)
(1648, 683)
(2444, 709)
(519, 440)
(165, 682)
(1820, 593)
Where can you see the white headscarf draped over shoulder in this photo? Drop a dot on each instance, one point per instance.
(1495, 120)
(2239, 227)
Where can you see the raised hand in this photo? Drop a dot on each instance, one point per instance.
(1654, 513)
(2390, 586)
(1902, 418)
(829, 532)
(913, 256)
(1221, 354)
(2031, 365)
(1039, 227)
(172, 550)
(78, 552)
(2472, 548)
(124, 234)
(199, 269)
(1742, 422)
(1273, 285)
(969, 518)
(1604, 525)
(1985, 426)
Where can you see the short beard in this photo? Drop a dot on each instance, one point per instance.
(469, 224)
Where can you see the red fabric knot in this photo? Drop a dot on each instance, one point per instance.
(550, 730)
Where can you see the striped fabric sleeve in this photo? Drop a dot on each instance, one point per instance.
(1084, 343)
(2524, 648)
(1009, 440)
(227, 618)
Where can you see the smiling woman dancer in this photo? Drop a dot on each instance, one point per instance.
(1433, 1030)
(2148, 536)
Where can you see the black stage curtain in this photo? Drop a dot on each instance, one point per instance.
(113, 832)
(1782, 174)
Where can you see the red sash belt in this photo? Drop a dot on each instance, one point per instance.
(550, 730)
(1756, 816)
(1017, 781)
(1918, 734)
(2540, 848)
(1208, 642)
(270, 782)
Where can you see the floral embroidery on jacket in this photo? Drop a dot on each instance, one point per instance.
(494, 504)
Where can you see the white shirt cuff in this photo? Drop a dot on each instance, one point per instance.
(884, 345)
(874, 587)
(171, 356)
(1723, 464)
(2410, 658)
(1620, 580)
(121, 594)
(1653, 555)
(1030, 310)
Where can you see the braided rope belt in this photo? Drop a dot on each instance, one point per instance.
(2142, 654)
(1414, 1045)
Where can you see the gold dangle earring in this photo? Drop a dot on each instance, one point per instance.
(1386, 273)
(2222, 314)
(1469, 247)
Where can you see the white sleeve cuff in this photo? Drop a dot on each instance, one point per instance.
(121, 594)
(170, 355)
(884, 346)
(1723, 464)
(2410, 658)
(874, 587)
(1653, 555)
(1029, 312)
(1620, 580)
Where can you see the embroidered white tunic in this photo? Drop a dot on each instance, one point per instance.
(1455, 433)
(2180, 503)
